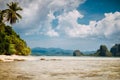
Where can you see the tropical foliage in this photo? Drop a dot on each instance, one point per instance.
(10, 41)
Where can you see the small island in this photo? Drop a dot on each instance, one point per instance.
(102, 52)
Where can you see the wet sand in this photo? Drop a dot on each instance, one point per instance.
(61, 68)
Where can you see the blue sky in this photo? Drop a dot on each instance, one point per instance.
(69, 24)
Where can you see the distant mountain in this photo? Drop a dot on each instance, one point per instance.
(88, 52)
(102, 51)
(38, 51)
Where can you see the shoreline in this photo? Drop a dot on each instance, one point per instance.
(6, 58)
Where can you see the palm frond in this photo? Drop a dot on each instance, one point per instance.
(17, 8)
(12, 15)
(19, 16)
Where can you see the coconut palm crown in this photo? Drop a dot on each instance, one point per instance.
(12, 15)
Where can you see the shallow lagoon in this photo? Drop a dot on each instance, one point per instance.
(62, 68)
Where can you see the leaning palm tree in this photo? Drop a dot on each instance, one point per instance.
(12, 15)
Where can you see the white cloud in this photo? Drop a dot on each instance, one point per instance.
(105, 28)
(71, 16)
(69, 20)
(52, 33)
(109, 26)
(39, 14)
(67, 5)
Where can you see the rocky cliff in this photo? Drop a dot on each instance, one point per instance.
(115, 50)
(103, 51)
(77, 53)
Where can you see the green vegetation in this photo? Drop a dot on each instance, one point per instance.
(10, 41)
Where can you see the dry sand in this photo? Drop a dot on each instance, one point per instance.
(6, 58)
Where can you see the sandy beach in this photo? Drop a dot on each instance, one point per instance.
(58, 68)
(4, 58)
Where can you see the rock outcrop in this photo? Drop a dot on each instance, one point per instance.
(115, 50)
(103, 51)
(77, 53)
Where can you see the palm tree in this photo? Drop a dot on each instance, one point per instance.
(12, 15)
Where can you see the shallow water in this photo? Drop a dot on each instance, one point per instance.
(62, 69)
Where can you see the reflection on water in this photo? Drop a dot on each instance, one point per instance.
(61, 70)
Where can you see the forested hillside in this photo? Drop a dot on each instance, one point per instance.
(10, 41)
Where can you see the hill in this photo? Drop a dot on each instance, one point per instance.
(11, 43)
(103, 51)
(38, 51)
